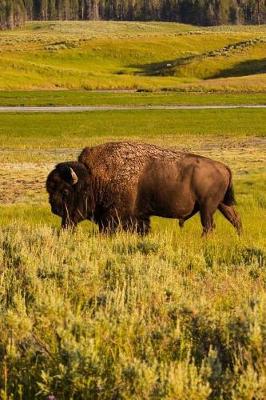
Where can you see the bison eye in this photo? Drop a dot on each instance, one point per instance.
(65, 193)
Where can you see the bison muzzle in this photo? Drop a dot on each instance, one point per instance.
(122, 184)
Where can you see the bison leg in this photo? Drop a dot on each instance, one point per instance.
(66, 223)
(232, 216)
(111, 225)
(143, 226)
(182, 222)
(108, 225)
(134, 224)
(206, 216)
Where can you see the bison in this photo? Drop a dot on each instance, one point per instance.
(123, 184)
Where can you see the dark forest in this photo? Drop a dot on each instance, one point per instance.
(200, 12)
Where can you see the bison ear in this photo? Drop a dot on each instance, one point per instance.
(68, 174)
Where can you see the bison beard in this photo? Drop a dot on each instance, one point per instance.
(122, 184)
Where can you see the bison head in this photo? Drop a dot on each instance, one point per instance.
(70, 193)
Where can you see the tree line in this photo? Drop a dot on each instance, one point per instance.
(199, 12)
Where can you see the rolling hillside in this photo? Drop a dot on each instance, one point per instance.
(133, 55)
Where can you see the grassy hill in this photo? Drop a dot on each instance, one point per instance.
(133, 55)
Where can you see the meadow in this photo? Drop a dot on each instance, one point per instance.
(168, 316)
(133, 55)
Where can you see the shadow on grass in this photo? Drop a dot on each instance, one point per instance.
(249, 67)
(163, 68)
(170, 67)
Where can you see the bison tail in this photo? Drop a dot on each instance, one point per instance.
(229, 197)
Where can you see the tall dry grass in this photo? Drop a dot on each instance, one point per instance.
(168, 316)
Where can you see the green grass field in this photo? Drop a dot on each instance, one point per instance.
(133, 55)
(167, 316)
(81, 98)
(39, 131)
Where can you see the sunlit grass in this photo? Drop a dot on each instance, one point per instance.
(90, 313)
(83, 97)
(113, 55)
(167, 316)
(80, 129)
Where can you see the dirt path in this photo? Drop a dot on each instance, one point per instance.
(68, 109)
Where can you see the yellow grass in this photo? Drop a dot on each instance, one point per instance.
(114, 55)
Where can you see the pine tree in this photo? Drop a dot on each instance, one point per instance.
(201, 12)
(12, 13)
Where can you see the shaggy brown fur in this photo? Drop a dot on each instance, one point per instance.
(122, 184)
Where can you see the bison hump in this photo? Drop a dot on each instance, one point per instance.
(123, 162)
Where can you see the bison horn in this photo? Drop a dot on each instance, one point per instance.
(74, 176)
